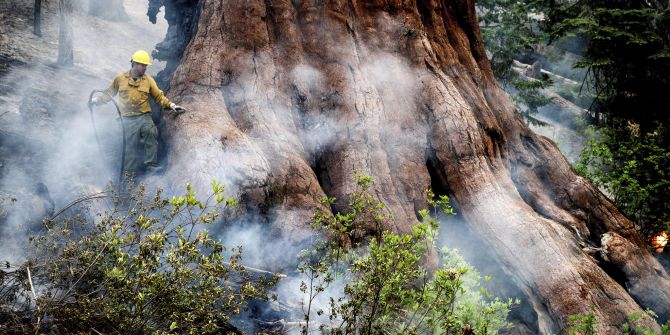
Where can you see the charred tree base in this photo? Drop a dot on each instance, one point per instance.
(289, 99)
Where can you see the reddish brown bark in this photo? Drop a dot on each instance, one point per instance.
(391, 87)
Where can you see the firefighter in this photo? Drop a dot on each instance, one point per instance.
(134, 88)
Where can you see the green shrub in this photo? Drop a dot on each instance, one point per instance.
(634, 172)
(626, 58)
(387, 289)
(147, 267)
(582, 324)
(586, 324)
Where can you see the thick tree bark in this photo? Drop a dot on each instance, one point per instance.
(65, 34)
(111, 10)
(287, 99)
(181, 16)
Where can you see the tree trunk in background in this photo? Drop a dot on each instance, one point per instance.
(37, 27)
(111, 10)
(288, 98)
(65, 34)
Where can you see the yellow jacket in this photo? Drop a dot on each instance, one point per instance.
(134, 94)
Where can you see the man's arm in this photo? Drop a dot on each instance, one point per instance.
(111, 91)
(158, 95)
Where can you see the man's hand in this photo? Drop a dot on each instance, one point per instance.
(178, 109)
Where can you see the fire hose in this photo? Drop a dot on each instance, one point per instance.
(123, 132)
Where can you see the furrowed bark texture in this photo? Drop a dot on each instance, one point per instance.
(288, 98)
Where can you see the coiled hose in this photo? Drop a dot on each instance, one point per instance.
(123, 132)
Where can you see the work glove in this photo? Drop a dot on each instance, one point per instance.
(178, 109)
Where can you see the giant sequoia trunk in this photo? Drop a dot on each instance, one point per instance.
(289, 98)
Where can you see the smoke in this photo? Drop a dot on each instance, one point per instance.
(317, 305)
(265, 248)
(455, 234)
(50, 154)
(391, 85)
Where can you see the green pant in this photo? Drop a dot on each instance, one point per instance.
(141, 143)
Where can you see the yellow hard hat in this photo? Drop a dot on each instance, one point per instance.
(142, 57)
